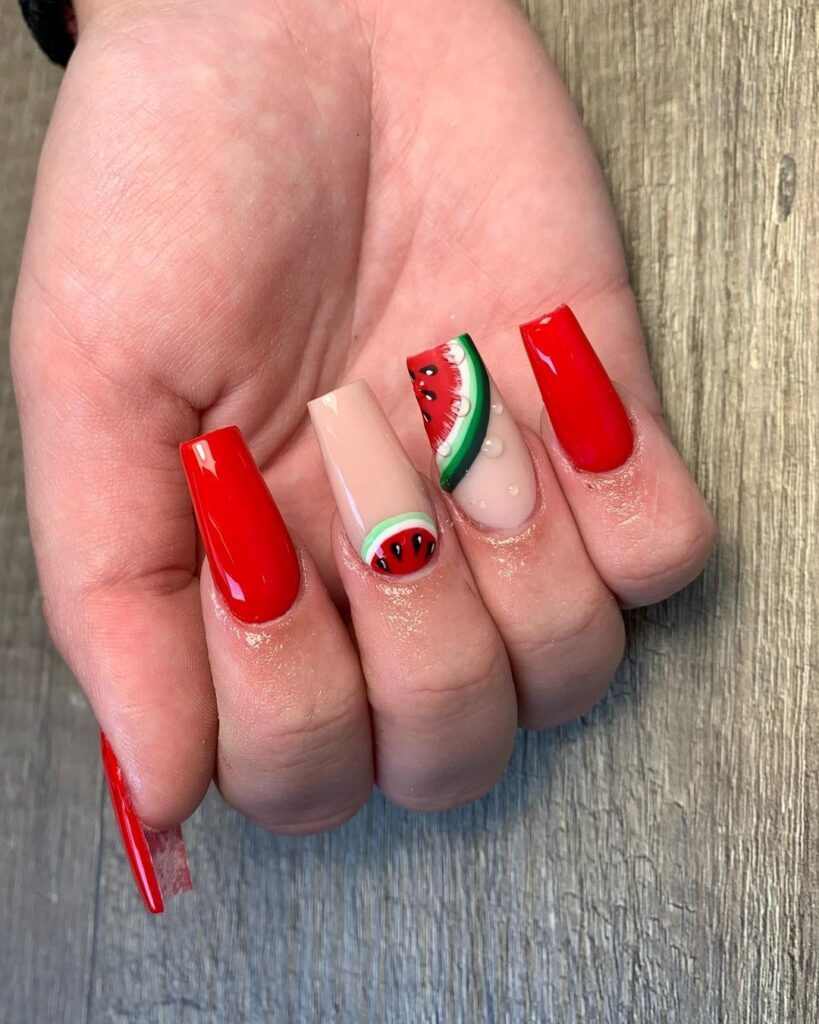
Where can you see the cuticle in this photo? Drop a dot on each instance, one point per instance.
(244, 627)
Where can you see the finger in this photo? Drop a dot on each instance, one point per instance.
(560, 624)
(642, 519)
(115, 547)
(437, 674)
(294, 749)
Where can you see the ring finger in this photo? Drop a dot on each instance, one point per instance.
(561, 626)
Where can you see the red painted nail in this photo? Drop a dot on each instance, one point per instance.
(586, 412)
(130, 828)
(251, 555)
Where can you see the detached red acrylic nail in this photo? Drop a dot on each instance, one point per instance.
(588, 417)
(157, 857)
(251, 556)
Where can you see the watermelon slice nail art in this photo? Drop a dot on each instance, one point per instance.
(481, 456)
(452, 388)
(400, 545)
(381, 499)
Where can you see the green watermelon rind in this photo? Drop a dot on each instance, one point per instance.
(387, 528)
(468, 434)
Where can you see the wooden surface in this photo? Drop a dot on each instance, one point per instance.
(654, 863)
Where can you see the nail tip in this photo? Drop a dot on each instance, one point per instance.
(132, 836)
(187, 445)
(352, 385)
(415, 356)
(560, 311)
(155, 909)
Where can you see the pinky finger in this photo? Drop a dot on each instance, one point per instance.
(643, 521)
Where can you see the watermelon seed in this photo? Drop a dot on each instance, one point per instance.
(417, 541)
(430, 548)
(383, 564)
(429, 395)
(426, 416)
(430, 370)
(396, 550)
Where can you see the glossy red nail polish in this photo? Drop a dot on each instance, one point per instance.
(588, 417)
(130, 828)
(251, 555)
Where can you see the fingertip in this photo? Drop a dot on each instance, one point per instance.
(676, 560)
(644, 522)
(166, 782)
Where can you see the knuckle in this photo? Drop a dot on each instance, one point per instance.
(300, 768)
(310, 731)
(572, 697)
(564, 673)
(674, 557)
(444, 686)
(314, 801)
(587, 616)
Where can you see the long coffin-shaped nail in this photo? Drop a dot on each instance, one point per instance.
(481, 456)
(588, 417)
(381, 499)
(250, 553)
(158, 858)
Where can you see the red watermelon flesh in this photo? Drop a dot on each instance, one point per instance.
(404, 552)
(436, 382)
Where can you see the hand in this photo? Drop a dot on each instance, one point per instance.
(239, 210)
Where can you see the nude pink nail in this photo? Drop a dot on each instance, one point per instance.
(381, 498)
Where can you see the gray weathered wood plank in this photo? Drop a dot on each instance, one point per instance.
(656, 862)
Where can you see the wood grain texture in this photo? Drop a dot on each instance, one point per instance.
(656, 862)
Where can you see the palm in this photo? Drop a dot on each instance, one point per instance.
(237, 211)
(266, 234)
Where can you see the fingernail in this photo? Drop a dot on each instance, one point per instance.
(250, 553)
(158, 858)
(480, 453)
(381, 499)
(588, 418)
(130, 828)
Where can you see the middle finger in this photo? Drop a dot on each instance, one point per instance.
(438, 678)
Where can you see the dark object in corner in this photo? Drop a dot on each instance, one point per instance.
(51, 23)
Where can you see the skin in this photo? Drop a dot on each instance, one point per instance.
(233, 214)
